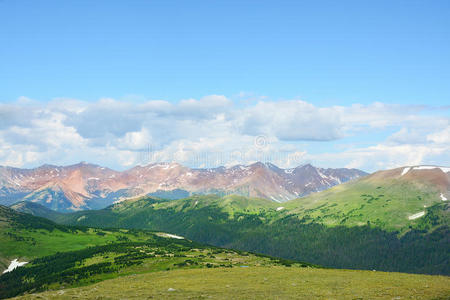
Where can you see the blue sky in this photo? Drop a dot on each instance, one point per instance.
(331, 55)
(322, 51)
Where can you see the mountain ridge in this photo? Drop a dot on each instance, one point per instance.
(385, 221)
(90, 186)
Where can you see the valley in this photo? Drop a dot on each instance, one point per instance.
(59, 256)
(365, 224)
(225, 150)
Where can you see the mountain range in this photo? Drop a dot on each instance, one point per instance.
(392, 220)
(88, 186)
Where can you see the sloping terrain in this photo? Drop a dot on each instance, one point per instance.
(261, 283)
(25, 237)
(158, 253)
(258, 225)
(35, 209)
(87, 186)
(58, 256)
(394, 199)
(350, 226)
(392, 220)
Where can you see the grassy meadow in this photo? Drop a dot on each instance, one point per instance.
(261, 283)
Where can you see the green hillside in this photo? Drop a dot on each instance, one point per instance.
(35, 209)
(94, 264)
(257, 225)
(26, 237)
(261, 283)
(62, 256)
(388, 203)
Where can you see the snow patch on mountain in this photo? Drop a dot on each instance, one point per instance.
(405, 170)
(83, 186)
(416, 216)
(443, 169)
(275, 199)
(322, 175)
(443, 198)
(169, 235)
(14, 264)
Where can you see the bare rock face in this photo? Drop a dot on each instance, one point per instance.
(88, 186)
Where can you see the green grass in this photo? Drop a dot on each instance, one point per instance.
(386, 205)
(38, 243)
(95, 264)
(63, 256)
(156, 264)
(255, 225)
(27, 237)
(229, 204)
(261, 283)
(358, 225)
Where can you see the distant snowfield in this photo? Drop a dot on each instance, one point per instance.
(280, 208)
(14, 264)
(443, 197)
(416, 216)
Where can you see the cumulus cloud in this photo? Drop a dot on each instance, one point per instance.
(107, 117)
(292, 121)
(383, 156)
(215, 131)
(440, 137)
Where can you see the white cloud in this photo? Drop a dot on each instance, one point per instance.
(215, 131)
(384, 156)
(291, 121)
(440, 137)
(135, 140)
